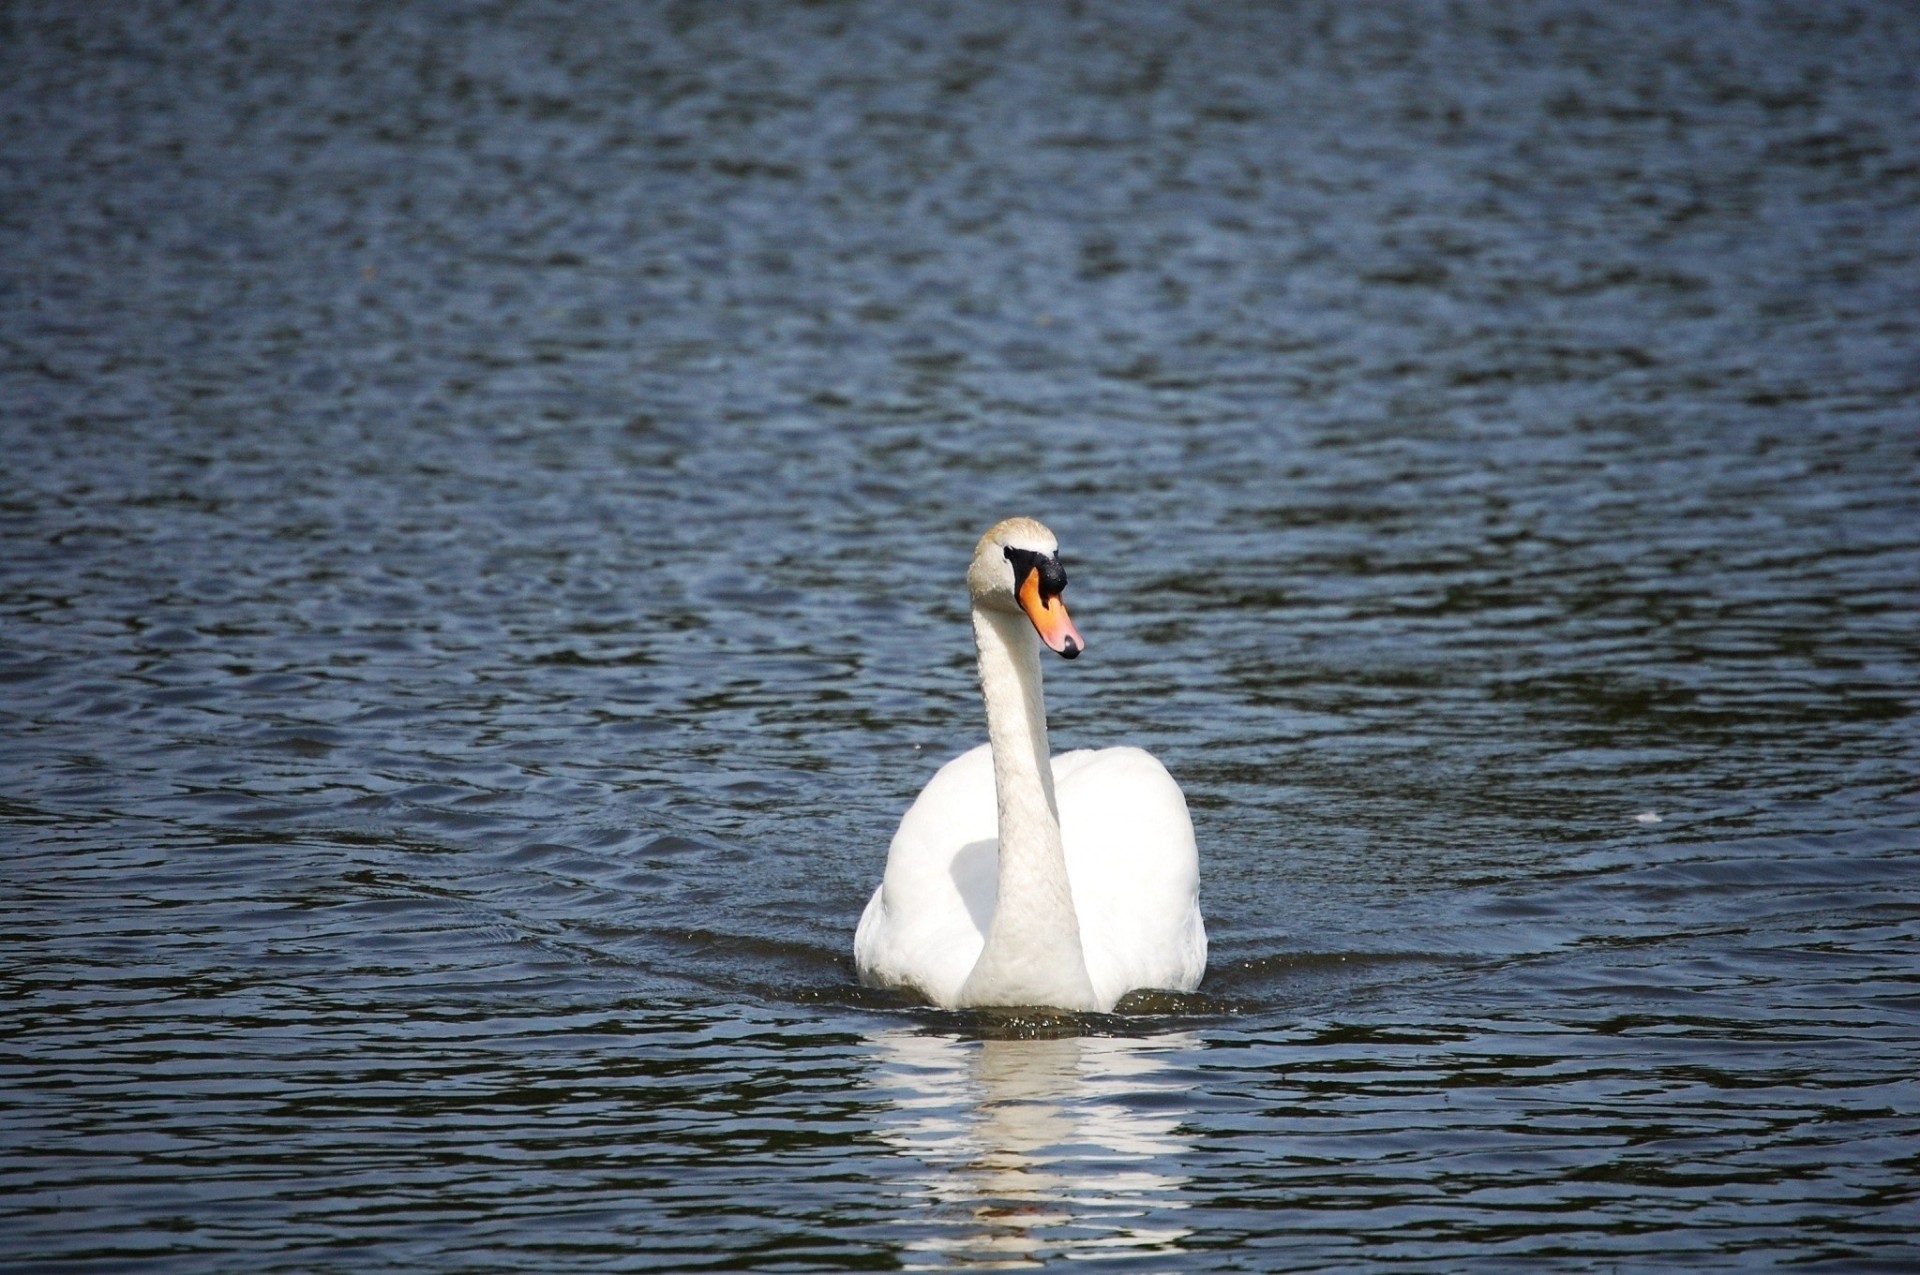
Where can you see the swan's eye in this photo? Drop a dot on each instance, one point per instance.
(1022, 560)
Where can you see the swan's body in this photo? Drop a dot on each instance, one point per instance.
(1019, 878)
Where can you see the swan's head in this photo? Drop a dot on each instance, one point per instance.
(1016, 567)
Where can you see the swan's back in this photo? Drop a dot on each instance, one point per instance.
(1131, 862)
(1134, 868)
(927, 921)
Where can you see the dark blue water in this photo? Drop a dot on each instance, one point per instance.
(483, 504)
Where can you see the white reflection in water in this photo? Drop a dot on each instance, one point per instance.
(1036, 1148)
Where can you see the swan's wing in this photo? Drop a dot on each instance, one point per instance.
(927, 921)
(1134, 868)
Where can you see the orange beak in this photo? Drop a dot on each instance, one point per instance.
(1050, 618)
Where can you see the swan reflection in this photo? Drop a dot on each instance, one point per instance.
(1036, 1148)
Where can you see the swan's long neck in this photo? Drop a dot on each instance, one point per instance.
(1032, 954)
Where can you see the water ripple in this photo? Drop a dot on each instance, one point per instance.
(485, 495)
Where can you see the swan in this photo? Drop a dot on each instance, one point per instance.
(1019, 878)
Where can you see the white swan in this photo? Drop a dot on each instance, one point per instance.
(1016, 882)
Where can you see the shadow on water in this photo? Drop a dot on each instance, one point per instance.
(1240, 985)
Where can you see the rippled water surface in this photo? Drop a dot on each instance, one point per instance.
(486, 489)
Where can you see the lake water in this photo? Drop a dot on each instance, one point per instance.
(486, 492)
